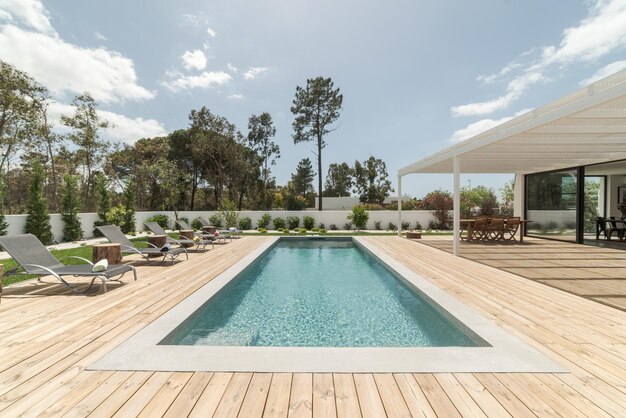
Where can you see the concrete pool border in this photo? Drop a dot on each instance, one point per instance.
(506, 353)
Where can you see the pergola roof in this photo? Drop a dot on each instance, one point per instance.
(585, 127)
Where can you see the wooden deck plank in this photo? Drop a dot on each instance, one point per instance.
(49, 336)
(277, 403)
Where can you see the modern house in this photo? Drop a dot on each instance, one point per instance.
(568, 157)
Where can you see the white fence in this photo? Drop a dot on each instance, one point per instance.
(331, 217)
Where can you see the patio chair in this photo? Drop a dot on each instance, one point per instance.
(222, 233)
(34, 258)
(511, 227)
(495, 230)
(479, 230)
(115, 235)
(615, 225)
(204, 235)
(157, 230)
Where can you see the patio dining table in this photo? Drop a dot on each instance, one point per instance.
(467, 223)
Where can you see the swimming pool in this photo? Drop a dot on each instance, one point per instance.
(326, 292)
(489, 349)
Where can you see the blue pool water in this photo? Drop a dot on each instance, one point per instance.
(318, 293)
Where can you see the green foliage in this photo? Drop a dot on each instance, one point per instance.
(263, 230)
(392, 227)
(302, 179)
(478, 201)
(70, 207)
(321, 225)
(405, 225)
(245, 223)
(265, 220)
(508, 197)
(292, 222)
(315, 229)
(333, 227)
(129, 203)
(103, 202)
(412, 204)
(228, 211)
(217, 220)
(285, 230)
(260, 134)
(38, 219)
(347, 226)
(279, 223)
(308, 222)
(161, 219)
(377, 225)
(322, 231)
(339, 180)
(359, 217)
(371, 180)
(301, 230)
(418, 226)
(118, 216)
(196, 224)
(316, 107)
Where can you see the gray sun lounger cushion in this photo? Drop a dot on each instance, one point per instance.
(206, 235)
(156, 228)
(115, 235)
(34, 258)
(222, 234)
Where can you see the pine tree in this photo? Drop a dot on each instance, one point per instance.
(129, 203)
(3, 223)
(70, 206)
(103, 202)
(38, 219)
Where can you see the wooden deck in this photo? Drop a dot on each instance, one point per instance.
(48, 337)
(591, 272)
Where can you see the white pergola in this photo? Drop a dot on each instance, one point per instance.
(585, 127)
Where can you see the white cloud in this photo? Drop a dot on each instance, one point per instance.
(605, 71)
(232, 68)
(481, 126)
(100, 36)
(212, 33)
(602, 32)
(492, 78)
(194, 60)
(30, 13)
(235, 96)
(63, 67)
(205, 80)
(253, 72)
(122, 128)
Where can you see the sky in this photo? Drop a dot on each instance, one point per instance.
(417, 76)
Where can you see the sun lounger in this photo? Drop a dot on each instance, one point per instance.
(221, 233)
(205, 235)
(157, 230)
(114, 234)
(34, 258)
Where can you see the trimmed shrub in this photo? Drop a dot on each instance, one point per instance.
(308, 222)
(392, 226)
(263, 230)
(117, 216)
(265, 220)
(302, 230)
(161, 219)
(103, 202)
(70, 207)
(418, 226)
(196, 224)
(129, 198)
(333, 227)
(230, 216)
(359, 217)
(321, 225)
(347, 226)
(322, 231)
(377, 225)
(432, 225)
(285, 230)
(406, 225)
(245, 223)
(216, 220)
(279, 223)
(293, 222)
(38, 219)
(315, 229)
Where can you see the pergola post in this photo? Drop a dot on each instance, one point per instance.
(399, 205)
(456, 205)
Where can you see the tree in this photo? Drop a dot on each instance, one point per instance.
(339, 180)
(38, 219)
(261, 130)
(316, 108)
(508, 198)
(129, 199)
(103, 201)
(85, 125)
(479, 200)
(371, 180)
(439, 201)
(70, 207)
(302, 179)
(359, 217)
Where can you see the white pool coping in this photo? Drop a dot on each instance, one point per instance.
(506, 353)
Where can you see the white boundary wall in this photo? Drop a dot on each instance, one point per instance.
(327, 217)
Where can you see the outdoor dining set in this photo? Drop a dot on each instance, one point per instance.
(491, 229)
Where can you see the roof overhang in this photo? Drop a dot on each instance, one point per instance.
(585, 127)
